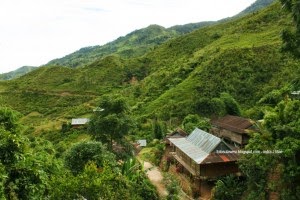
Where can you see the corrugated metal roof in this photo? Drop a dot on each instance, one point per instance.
(206, 141)
(142, 143)
(221, 157)
(80, 121)
(194, 152)
(198, 145)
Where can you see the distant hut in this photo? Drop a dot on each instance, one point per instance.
(79, 122)
(295, 94)
(142, 143)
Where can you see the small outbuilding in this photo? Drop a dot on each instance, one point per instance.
(79, 122)
(142, 143)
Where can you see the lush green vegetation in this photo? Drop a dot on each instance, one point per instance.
(30, 169)
(291, 37)
(143, 85)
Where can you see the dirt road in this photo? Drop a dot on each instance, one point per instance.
(156, 178)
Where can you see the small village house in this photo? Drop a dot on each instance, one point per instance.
(204, 155)
(233, 129)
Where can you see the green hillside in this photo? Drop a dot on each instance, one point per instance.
(16, 73)
(134, 44)
(240, 57)
(143, 85)
(139, 42)
(257, 5)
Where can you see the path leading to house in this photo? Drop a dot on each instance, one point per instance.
(156, 178)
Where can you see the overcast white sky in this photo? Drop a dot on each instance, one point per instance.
(33, 32)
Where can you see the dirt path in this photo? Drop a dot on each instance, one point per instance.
(156, 178)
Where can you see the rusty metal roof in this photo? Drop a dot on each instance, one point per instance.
(198, 145)
(221, 157)
(233, 123)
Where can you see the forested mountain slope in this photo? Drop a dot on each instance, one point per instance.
(257, 5)
(140, 41)
(134, 44)
(236, 67)
(241, 57)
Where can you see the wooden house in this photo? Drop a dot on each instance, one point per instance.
(204, 155)
(79, 122)
(233, 129)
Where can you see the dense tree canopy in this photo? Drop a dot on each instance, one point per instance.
(277, 149)
(192, 121)
(23, 171)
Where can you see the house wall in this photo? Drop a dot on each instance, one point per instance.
(223, 133)
(218, 169)
(190, 163)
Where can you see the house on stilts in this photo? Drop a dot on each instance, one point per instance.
(204, 156)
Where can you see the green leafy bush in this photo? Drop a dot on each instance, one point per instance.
(82, 153)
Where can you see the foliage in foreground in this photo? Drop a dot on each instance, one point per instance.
(30, 170)
(275, 166)
(228, 188)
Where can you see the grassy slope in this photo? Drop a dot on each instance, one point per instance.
(241, 57)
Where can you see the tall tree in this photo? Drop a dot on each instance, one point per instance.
(231, 105)
(112, 121)
(157, 129)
